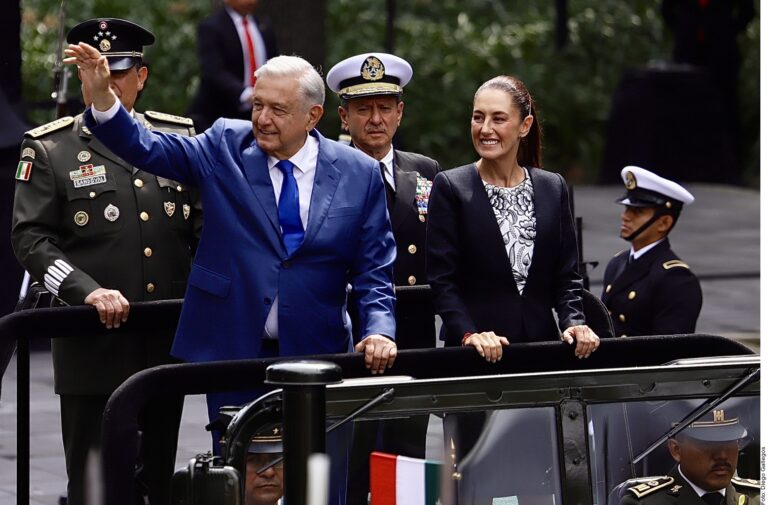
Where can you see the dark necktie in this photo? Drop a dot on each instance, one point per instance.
(288, 208)
(630, 259)
(251, 52)
(712, 498)
(390, 192)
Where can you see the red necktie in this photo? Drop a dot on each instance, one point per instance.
(251, 52)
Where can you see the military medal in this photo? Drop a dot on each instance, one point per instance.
(170, 208)
(186, 209)
(111, 213)
(83, 156)
(28, 152)
(423, 189)
(23, 170)
(81, 218)
(88, 175)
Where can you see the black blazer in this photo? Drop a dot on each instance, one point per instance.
(220, 56)
(655, 295)
(415, 319)
(469, 271)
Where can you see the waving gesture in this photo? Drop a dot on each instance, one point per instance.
(94, 73)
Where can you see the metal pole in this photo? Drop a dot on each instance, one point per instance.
(303, 384)
(22, 421)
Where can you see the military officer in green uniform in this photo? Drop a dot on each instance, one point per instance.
(647, 289)
(706, 453)
(94, 230)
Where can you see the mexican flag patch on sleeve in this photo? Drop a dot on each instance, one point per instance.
(23, 170)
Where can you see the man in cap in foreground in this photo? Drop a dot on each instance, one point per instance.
(370, 88)
(648, 290)
(264, 486)
(96, 230)
(706, 453)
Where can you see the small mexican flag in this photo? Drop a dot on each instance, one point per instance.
(23, 170)
(400, 480)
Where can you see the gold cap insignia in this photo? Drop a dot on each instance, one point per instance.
(631, 182)
(105, 45)
(372, 69)
(170, 208)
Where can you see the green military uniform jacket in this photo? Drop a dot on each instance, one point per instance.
(675, 490)
(83, 219)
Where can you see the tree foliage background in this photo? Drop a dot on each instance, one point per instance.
(453, 45)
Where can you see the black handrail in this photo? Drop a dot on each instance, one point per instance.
(121, 414)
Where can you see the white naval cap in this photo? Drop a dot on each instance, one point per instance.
(646, 189)
(369, 74)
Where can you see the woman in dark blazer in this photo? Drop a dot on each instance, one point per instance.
(501, 242)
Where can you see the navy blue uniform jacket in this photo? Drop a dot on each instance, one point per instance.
(468, 267)
(241, 263)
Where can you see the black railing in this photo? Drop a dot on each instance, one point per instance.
(122, 411)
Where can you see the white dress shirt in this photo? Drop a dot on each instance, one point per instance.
(636, 254)
(304, 167)
(389, 167)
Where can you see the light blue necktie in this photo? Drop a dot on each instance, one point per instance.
(288, 209)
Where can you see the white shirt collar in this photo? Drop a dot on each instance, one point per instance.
(696, 488)
(637, 254)
(301, 159)
(236, 17)
(389, 166)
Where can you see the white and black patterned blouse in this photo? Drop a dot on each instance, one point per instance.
(513, 208)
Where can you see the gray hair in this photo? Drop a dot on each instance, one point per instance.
(311, 85)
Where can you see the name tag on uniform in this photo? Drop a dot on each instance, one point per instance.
(88, 175)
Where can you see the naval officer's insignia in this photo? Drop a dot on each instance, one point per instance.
(105, 45)
(28, 152)
(170, 208)
(631, 182)
(111, 213)
(186, 209)
(372, 69)
(81, 218)
(83, 156)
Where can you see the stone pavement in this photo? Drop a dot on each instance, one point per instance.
(718, 236)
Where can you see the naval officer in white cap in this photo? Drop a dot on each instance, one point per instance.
(370, 88)
(648, 290)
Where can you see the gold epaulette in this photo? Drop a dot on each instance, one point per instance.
(620, 253)
(50, 127)
(168, 118)
(675, 263)
(651, 485)
(751, 483)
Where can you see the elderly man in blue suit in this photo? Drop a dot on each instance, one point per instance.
(292, 219)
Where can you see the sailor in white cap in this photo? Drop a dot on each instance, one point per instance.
(648, 290)
(370, 88)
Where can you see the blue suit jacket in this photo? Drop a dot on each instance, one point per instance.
(241, 263)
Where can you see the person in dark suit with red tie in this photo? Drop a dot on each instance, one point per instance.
(232, 44)
(648, 290)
